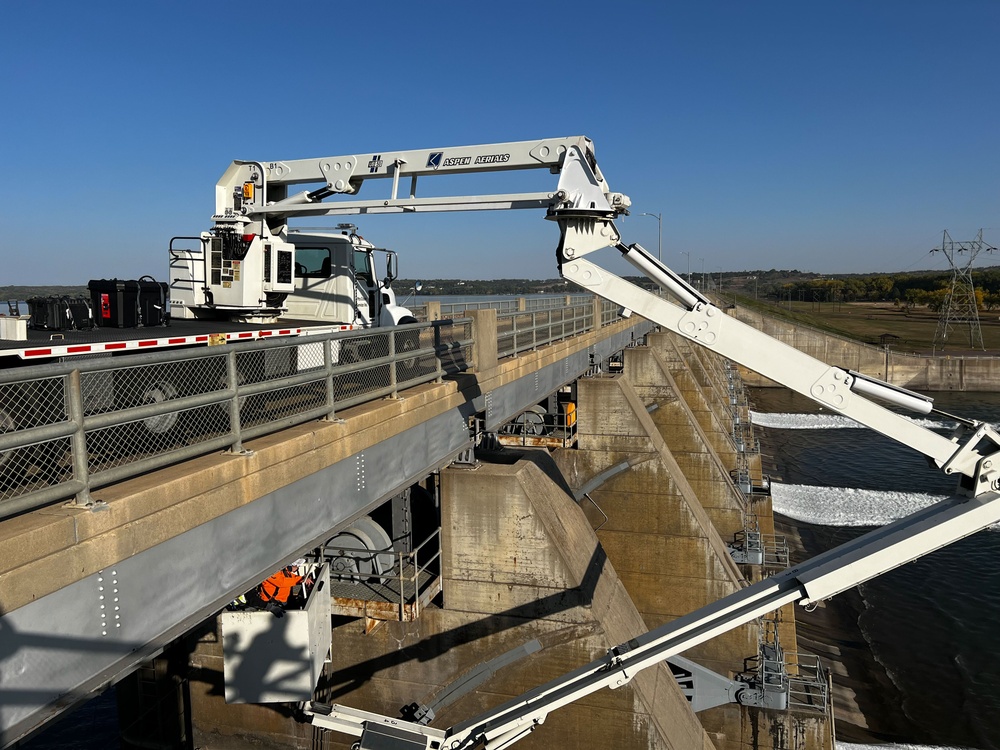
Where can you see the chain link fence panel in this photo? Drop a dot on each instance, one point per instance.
(68, 428)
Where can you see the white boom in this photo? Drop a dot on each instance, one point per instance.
(251, 190)
(585, 212)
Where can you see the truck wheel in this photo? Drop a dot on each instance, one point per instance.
(407, 342)
(26, 405)
(163, 390)
(7, 424)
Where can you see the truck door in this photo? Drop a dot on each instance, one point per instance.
(367, 286)
(325, 286)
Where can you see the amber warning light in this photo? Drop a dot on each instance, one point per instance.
(248, 191)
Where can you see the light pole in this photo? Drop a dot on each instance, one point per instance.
(685, 252)
(702, 274)
(659, 233)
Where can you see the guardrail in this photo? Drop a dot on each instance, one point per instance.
(609, 311)
(517, 304)
(519, 332)
(808, 682)
(69, 428)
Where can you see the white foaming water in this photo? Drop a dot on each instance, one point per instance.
(801, 421)
(845, 506)
(827, 421)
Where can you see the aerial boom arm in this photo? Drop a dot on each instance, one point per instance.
(256, 190)
(971, 452)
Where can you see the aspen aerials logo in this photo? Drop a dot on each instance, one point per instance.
(375, 164)
(437, 159)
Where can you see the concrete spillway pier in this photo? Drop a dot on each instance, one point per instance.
(579, 550)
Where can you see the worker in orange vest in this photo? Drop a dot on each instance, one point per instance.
(275, 591)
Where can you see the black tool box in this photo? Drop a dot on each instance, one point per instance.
(81, 312)
(130, 304)
(60, 313)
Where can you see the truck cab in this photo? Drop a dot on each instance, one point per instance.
(337, 281)
(327, 277)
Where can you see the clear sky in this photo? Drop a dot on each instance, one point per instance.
(825, 136)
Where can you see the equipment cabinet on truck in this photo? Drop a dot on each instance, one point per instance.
(60, 313)
(130, 304)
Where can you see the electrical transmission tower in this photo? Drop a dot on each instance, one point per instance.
(959, 307)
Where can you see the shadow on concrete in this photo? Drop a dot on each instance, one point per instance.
(24, 711)
(470, 390)
(343, 681)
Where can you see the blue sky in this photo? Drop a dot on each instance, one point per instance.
(833, 137)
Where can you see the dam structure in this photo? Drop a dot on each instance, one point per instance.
(522, 492)
(918, 372)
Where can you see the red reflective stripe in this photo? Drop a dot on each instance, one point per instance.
(147, 343)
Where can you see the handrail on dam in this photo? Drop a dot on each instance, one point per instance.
(69, 428)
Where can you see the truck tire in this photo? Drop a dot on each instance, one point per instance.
(155, 393)
(408, 341)
(7, 424)
(26, 405)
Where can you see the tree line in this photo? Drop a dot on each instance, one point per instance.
(922, 288)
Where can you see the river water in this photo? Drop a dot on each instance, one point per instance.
(930, 625)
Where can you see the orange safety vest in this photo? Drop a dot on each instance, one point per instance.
(279, 585)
